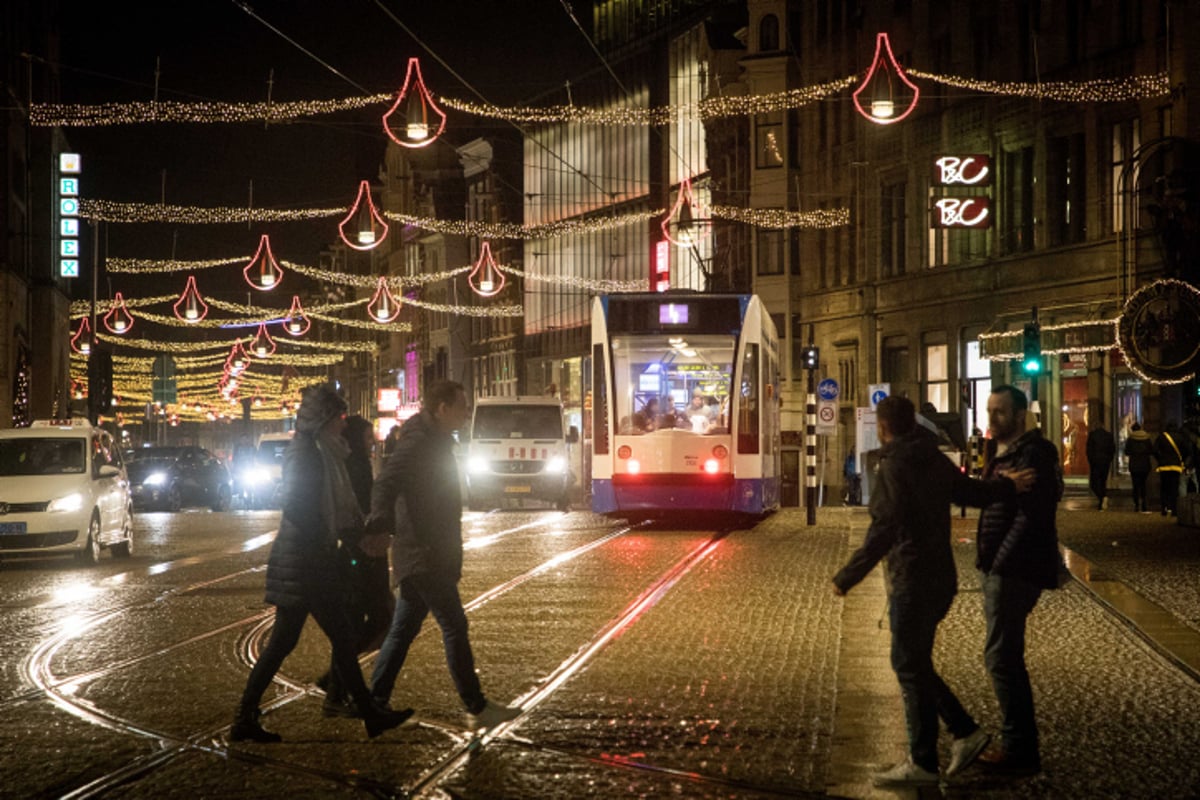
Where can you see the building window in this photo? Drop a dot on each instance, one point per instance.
(894, 367)
(768, 33)
(1066, 188)
(979, 385)
(937, 376)
(892, 223)
(1126, 138)
(1017, 220)
(769, 143)
(770, 252)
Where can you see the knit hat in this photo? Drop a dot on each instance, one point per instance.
(318, 405)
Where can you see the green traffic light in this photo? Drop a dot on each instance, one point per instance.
(1032, 366)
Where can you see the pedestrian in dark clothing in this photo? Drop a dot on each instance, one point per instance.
(1017, 554)
(1101, 449)
(1171, 454)
(1139, 448)
(416, 496)
(369, 595)
(910, 525)
(389, 441)
(302, 575)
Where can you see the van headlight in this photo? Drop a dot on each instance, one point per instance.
(155, 479)
(477, 465)
(556, 466)
(255, 476)
(72, 502)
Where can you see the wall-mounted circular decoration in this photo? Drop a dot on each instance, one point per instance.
(1159, 331)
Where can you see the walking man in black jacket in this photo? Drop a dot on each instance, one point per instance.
(1018, 556)
(910, 524)
(416, 497)
(1101, 449)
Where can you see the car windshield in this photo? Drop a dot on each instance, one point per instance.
(272, 450)
(518, 422)
(48, 456)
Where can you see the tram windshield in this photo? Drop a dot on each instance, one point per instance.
(673, 382)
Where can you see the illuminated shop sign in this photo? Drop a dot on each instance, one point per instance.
(973, 170)
(962, 212)
(662, 266)
(69, 169)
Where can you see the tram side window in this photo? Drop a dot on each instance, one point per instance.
(748, 402)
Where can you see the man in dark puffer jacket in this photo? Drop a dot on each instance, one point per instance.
(1018, 555)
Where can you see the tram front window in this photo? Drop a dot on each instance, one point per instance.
(679, 382)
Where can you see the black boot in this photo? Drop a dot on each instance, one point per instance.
(246, 728)
(378, 720)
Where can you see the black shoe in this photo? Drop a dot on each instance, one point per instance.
(246, 728)
(379, 720)
(337, 707)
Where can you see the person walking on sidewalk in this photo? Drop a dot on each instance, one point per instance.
(369, 595)
(416, 497)
(1018, 556)
(910, 525)
(1100, 452)
(1171, 454)
(302, 574)
(1139, 448)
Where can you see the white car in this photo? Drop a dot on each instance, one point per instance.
(63, 490)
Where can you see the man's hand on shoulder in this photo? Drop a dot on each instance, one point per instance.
(1023, 479)
(378, 525)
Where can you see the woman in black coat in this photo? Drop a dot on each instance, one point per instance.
(319, 508)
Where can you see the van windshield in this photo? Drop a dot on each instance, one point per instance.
(518, 422)
(49, 456)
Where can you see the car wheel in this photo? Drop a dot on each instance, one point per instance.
(224, 498)
(124, 548)
(173, 501)
(90, 554)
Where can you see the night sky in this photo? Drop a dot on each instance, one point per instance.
(506, 52)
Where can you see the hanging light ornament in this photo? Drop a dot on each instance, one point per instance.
(486, 278)
(81, 342)
(262, 345)
(118, 319)
(238, 359)
(296, 322)
(420, 113)
(684, 226)
(384, 307)
(263, 273)
(369, 227)
(190, 307)
(884, 95)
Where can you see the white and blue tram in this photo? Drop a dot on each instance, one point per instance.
(685, 405)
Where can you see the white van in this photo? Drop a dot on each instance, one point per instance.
(63, 490)
(518, 451)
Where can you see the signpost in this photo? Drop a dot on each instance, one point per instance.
(827, 395)
(878, 391)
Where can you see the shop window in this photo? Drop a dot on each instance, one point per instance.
(979, 382)
(1073, 447)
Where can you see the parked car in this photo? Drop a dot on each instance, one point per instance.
(169, 478)
(63, 490)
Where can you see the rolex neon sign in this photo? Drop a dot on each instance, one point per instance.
(962, 211)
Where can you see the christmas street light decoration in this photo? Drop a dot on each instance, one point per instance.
(420, 113)
(296, 323)
(81, 342)
(118, 319)
(486, 279)
(262, 344)
(263, 272)
(684, 227)
(368, 227)
(384, 307)
(884, 80)
(190, 307)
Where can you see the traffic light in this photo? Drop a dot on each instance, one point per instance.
(1031, 362)
(812, 357)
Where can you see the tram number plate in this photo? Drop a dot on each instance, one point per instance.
(518, 489)
(12, 527)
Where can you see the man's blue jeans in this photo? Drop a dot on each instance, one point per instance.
(1007, 602)
(914, 621)
(421, 595)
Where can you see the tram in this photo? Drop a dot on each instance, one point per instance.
(685, 405)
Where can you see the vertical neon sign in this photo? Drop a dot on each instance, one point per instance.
(660, 281)
(69, 169)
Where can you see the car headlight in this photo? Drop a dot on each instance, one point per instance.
(556, 466)
(72, 502)
(477, 464)
(155, 479)
(255, 476)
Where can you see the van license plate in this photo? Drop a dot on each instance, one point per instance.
(518, 489)
(12, 527)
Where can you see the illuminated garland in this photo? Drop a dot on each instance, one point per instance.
(145, 265)
(365, 324)
(109, 211)
(779, 218)
(54, 115)
(598, 285)
(1016, 335)
(468, 311)
(1100, 90)
(511, 230)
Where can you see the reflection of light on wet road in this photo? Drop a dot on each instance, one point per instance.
(476, 542)
(73, 593)
(73, 625)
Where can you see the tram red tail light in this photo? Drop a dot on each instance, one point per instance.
(633, 467)
(712, 466)
(624, 451)
(721, 452)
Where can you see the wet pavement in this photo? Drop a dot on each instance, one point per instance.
(650, 663)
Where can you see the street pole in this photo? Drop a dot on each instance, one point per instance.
(810, 442)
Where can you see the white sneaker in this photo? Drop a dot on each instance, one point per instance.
(1104, 504)
(492, 715)
(906, 773)
(964, 751)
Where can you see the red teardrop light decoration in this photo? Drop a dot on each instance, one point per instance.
(263, 272)
(296, 322)
(190, 307)
(367, 226)
(118, 319)
(684, 226)
(486, 279)
(262, 345)
(238, 359)
(882, 78)
(420, 114)
(81, 342)
(384, 307)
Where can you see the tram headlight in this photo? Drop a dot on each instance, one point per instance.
(712, 466)
(477, 465)
(556, 466)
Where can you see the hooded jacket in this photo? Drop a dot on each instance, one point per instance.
(1139, 447)
(1019, 537)
(416, 496)
(910, 517)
